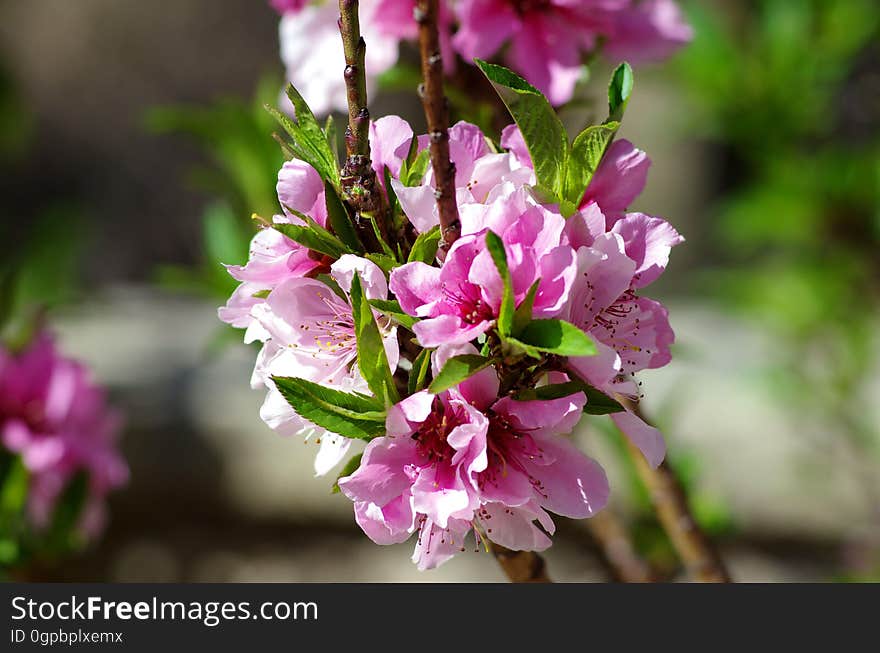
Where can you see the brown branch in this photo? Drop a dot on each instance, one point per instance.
(696, 550)
(358, 177)
(437, 115)
(521, 566)
(618, 552)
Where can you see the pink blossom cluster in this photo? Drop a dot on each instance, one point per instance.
(57, 420)
(474, 457)
(545, 41)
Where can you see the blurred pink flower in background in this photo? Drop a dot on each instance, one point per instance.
(58, 421)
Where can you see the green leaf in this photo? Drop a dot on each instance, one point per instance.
(310, 141)
(393, 202)
(523, 314)
(331, 135)
(556, 337)
(387, 263)
(391, 308)
(262, 294)
(371, 356)
(14, 483)
(552, 391)
(619, 91)
(350, 468)
(598, 403)
(425, 247)
(339, 220)
(62, 533)
(418, 375)
(348, 414)
(314, 237)
(456, 370)
(541, 128)
(586, 153)
(416, 172)
(499, 256)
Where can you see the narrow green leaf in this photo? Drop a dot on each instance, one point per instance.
(391, 308)
(598, 403)
(619, 91)
(307, 147)
(456, 370)
(505, 314)
(552, 391)
(318, 240)
(62, 533)
(393, 202)
(557, 337)
(339, 220)
(14, 483)
(523, 314)
(371, 356)
(384, 261)
(586, 153)
(313, 138)
(350, 468)
(541, 128)
(349, 415)
(410, 158)
(425, 247)
(332, 137)
(261, 294)
(418, 375)
(416, 172)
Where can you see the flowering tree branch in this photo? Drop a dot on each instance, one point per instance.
(358, 178)
(437, 115)
(696, 550)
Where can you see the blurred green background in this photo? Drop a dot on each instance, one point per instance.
(133, 149)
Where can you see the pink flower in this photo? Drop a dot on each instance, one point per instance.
(461, 300)
(275, 258)
(632, 333)
(565, 32)
(649, 30)
(57, 420)
(619, 180)
(311, 49)
(466, 460)
(310, 335)
(479, 172)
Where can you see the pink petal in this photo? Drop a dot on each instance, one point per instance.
(648, 439)
(648, 242)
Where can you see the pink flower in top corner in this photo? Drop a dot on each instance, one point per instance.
(57, 420)
(311, 49)
(650, 30)
(461, 300)
(547, 41)
(562, 31)
(466, 460)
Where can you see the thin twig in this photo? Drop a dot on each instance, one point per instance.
(358, 177)
(617, 549)
(437, 116)
(521, 566)
(696, 550)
